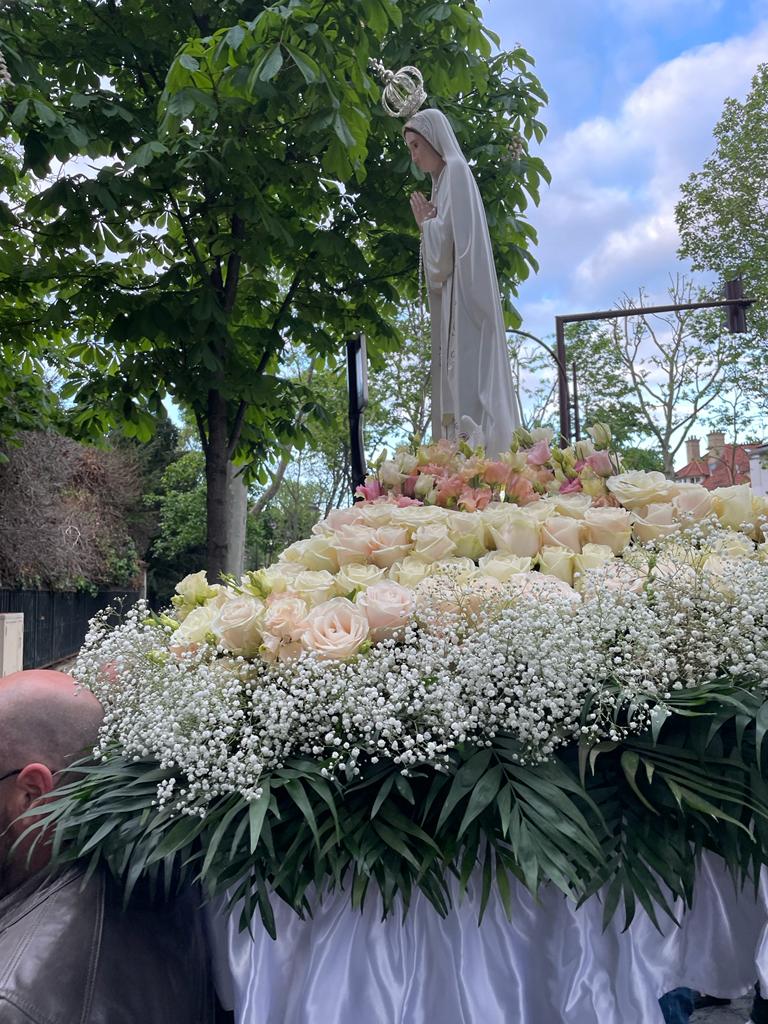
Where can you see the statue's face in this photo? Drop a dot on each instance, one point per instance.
(425, 156)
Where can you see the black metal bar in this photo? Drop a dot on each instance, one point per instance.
(562, 382)
(613, 314)
(576, 423)
(357, 384)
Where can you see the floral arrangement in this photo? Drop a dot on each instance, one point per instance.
(417, 682)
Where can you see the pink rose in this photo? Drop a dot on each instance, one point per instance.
(388, 545)
(693, 501)
(539, 454)
(601, 463)
(353, 543)
(403, 502)
(387, 606)
(370, 490)
(284, 626)
(335, 630)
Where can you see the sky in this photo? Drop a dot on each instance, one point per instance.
(635, 88)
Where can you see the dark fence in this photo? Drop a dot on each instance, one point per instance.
(55, 622)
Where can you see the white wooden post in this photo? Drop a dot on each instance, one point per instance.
(11, 642)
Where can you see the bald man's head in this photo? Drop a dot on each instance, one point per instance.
(45, 718)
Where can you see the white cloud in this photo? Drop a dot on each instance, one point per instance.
(607, 224)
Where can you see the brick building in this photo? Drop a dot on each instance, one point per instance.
(721, 465)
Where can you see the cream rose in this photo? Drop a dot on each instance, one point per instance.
(357, 576)
(377, 513)
(336, 519)
(557, 561)
(239, 624)
(314, 587)
(592, 556)
(733, 505)
(573, 505)
(431, 543)
(655, 521)
(519, 535)
(537, 587)
(388, 607)
(414, 516)
(638, 488)
(410, 571)
(611, 526)
(388, 545)
(467, 531)
(335, 630)
(459, 569)
(196, 629)
(692, 501)
(733, 545)
(561, 531)
(618, 575)
(503, 566)
(316, 554)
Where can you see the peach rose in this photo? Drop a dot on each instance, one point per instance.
(353, 543)
(284, 625)
(561, 531)
(655, 521)
(335, 630)
(388, 544)
(239, 624)
(388, 606)
(611, 526)
(692, 501)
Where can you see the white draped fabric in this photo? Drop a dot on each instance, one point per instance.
(551, 964)
(472, 388)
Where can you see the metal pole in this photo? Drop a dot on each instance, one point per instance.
(576, 424)
(357, 385)
(562, 383)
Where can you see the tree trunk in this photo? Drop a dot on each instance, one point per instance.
(217, 485)
(237, 512)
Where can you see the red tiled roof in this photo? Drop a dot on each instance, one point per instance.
(730, 467)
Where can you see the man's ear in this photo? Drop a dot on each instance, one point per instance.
(33, 782)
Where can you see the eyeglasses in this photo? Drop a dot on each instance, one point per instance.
(8, 775)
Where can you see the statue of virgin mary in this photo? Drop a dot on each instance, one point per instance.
(473, 394)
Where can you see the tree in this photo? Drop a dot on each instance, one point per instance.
(230, 190)
(723, 214)
(654, 377)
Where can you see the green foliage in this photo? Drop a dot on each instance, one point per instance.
(723, 214)
(629, 818)
(231, 191)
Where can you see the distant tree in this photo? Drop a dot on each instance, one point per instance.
(723, 214)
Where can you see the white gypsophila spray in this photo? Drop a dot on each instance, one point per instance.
(522, 661)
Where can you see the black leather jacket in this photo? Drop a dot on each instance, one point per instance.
(71, 955)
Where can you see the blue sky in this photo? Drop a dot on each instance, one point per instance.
(635, 88)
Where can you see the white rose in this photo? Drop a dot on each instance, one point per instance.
(388, 607)
(503, 566)
(638, 488)
(410, 571)
(458, 569)
(760, 516)
(315, 587)
(655, 521)
(561, 531)
(239, 624)
(733, 545)
(316, 554)
(431, 543)
(557, 561)
(692, 501)
(574, 505)
(592, 556)
(388, 545)
(390, 475)
(197, 628)
(519, 535)
(336, 519)
(611, 526)
(538, 587)
(467, 531)
(335, 630)
(414, 516)
(733, 505)
(356, 576)
(377, 513)
(617, 575)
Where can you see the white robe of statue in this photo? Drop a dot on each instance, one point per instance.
(472, 389)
